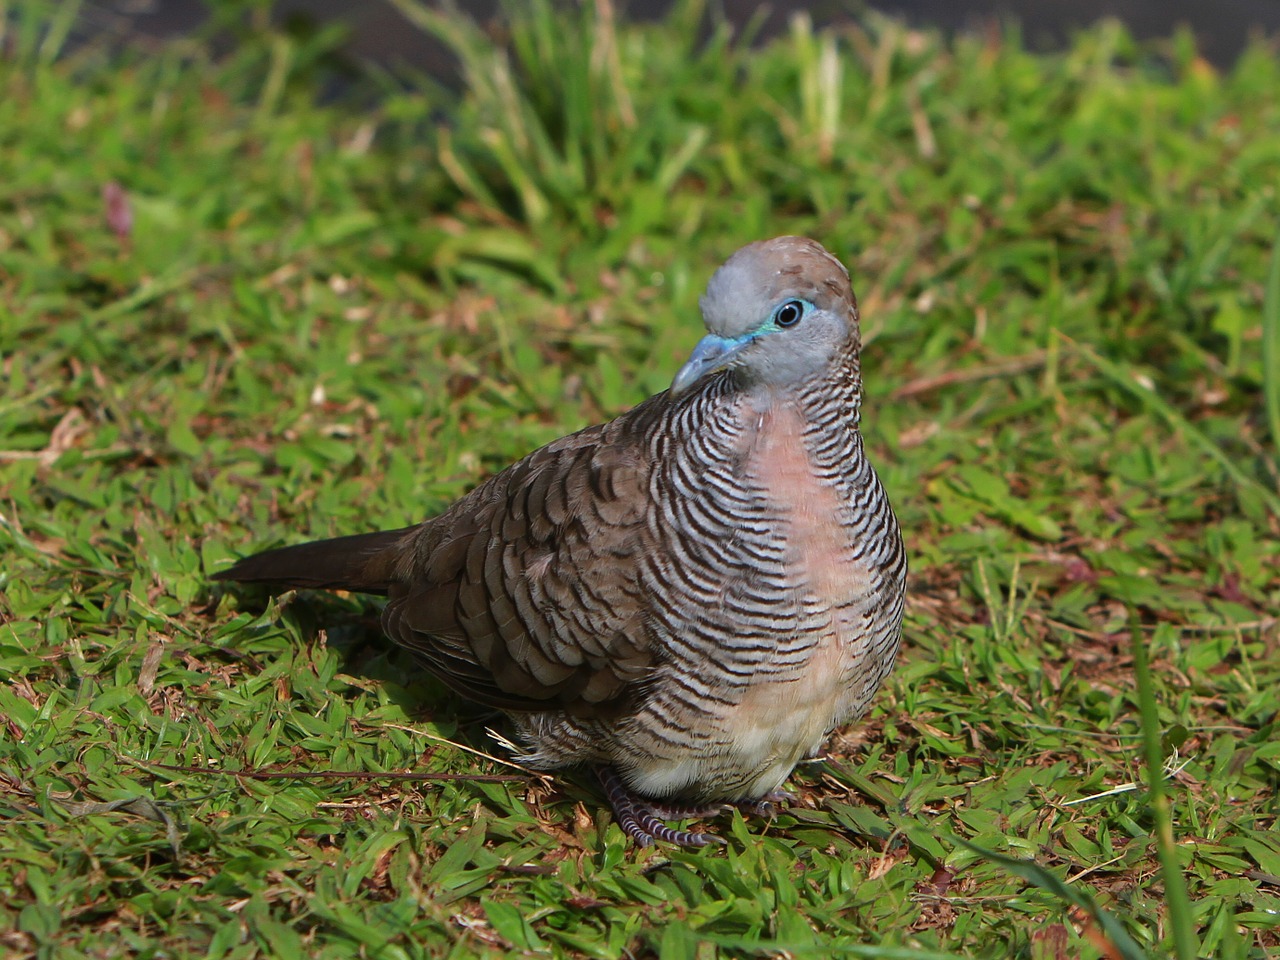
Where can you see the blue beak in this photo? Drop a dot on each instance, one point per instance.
(712, 353)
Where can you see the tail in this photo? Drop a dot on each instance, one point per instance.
(364, 563)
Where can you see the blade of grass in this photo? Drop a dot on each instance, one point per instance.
(1271, 349)
(60, 26)
(1186, 946)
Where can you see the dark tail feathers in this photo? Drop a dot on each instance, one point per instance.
(364, 563)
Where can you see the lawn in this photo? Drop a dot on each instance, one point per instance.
(243, 305)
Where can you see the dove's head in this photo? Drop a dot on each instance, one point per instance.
(780, 311)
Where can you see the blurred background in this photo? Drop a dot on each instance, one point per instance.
(377, 31)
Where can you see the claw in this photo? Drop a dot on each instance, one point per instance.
(765, 807)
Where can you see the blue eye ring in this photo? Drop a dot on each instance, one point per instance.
(789, 313)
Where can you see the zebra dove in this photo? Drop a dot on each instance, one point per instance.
(688, 598)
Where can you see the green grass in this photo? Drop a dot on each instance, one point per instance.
(332, 318)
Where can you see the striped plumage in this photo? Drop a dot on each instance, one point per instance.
(692, 595)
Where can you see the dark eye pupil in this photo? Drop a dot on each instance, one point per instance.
(789, 314)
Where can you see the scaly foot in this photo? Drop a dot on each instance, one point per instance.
(642, 820)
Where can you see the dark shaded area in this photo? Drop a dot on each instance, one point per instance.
(379, 33)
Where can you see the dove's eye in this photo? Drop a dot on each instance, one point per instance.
(788, 314)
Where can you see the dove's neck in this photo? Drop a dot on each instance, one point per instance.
(829, 402)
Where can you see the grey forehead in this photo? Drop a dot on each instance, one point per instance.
(761, 275)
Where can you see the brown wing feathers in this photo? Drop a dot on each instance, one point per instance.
(533, 611)
(519, 595)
